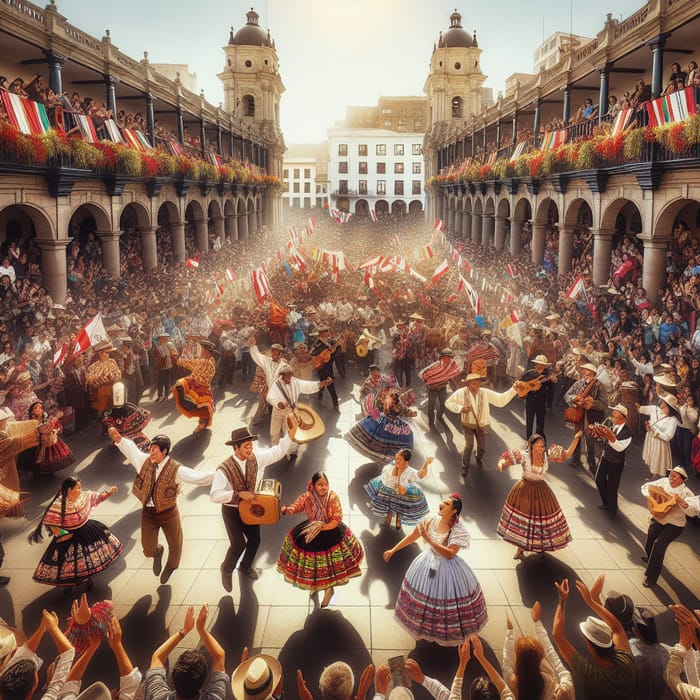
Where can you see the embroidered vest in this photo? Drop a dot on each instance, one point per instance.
(237, 479)
(165, 490)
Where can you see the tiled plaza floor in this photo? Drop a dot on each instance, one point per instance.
(270, 615)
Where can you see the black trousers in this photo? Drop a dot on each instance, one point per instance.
(607, 479)
(325, 372)
(535, 410)
(164, 378)
(244, 540)
(436, 396)
(658, 538)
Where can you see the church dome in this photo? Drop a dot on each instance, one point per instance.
(251, 34)
(455, 36)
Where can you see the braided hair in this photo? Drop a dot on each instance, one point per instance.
(69, 482)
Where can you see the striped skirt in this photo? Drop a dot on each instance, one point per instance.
(332, 558)
(380, 439)
(194, 400)
(532, 519)
(411, 506)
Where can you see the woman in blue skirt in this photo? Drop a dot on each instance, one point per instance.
(394, 491)
(380, 434)
(440, 599)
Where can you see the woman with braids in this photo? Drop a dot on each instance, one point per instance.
(321, 552)
(80, 547)
(440, 599)
(532, 519)
(192, 393)
(394, 491)
(52, 454)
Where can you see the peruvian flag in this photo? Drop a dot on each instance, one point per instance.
(261, 285)
(293, 233)
(576, 289)
(230, 274)
(191, 262)
(312, 223)
(60, 354)
(373, 215)
(440, 271)
(438, 225)
(92, 334)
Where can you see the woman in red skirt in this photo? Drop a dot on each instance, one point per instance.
(321, 552)
(532, 519)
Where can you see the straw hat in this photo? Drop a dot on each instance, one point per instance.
(542, 360)
(597, 632)
(473, 377)
(256, 678)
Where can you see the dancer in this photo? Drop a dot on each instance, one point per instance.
(381, 433)
(266, 374)
(440, 599)
(531, 518)
(192, 393)
(436, 377)
(52, 454)
(394, 492)
(100, 376)
(127, 418)
(80, 547)
(607, 477)
(321, 552)
(661, 427)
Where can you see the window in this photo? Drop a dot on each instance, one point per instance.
(398, 168)
(362, 149)
(398, 187)
(416, 187)
(342, 186)
(398, 149)
(381, 149)
(387, 122)
(285, 174)
(318, 189)
(381, 168)
(456, 107)
(248, 106)
(307, 187)
(381, 186)
(342, 149)
(296, 173)
(362, 186)
(295, 188)
(362, 167)
(416, 168)
(416, 149)
(342, 166)
(307, 173)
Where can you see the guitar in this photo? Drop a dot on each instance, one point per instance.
(522, 389)
(265, 510)
(324, 357)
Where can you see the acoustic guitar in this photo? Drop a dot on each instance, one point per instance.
(265, 510)
(324, 357)
(523, 388)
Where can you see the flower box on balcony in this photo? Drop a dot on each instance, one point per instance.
(60, 181)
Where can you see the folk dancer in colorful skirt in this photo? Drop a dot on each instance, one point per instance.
(532, 519)
(126, 417)
(80, 547)
(52, 454)
(192, 393)
(440, 599)
(379, 435)
(371, 389)
(321, 552)
(394, 491)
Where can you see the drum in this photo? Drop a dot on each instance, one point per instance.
(266, 508)
(362, 349)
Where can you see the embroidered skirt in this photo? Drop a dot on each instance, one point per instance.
(382, 438)
(129, 420)
(411, 506)
(532, 518)
(332, 558)
(194, 400)
(89, 550)
(440, 600)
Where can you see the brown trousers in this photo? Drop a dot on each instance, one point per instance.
(169, 522)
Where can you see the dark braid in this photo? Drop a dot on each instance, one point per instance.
(68, 483)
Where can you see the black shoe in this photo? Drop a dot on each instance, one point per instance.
(167, 573)
(158, 560)
(4, 580)
(647, 583)
(644, 557)
(226, 579)
(249, 571)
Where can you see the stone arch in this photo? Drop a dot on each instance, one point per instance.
(361, 207)
(457, 106)
(489, 207)
(167, 214)
(398, 207)
(523, 210)
(503, 208)
(214, 209)
(247, 108)
(468, 205)
(478, 207)
(547, 212)
(230, 221)
(27, 219)
(675, 211)
(381, 207)
(415, 206)
(135, 215)
(578, 211)
(252, 223)
(88, 216)
(622, 216)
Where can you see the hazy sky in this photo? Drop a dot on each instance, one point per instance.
(335, 53)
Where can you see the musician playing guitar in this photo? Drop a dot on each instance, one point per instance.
(540, 379)
(234, 481)
(322, 352)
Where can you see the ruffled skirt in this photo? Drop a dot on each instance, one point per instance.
(532, 518)
(129, 420)
(411, 506)
(194, 400)
(380, 439)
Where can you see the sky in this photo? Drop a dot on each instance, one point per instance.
(334, 53)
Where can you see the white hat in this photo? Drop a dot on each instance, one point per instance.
(256, 678)
(620, 409)
(400, 693)
(542, 360)
(285, 368)
(7, 641)
(597, 632)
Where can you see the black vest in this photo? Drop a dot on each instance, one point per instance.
(610, 454)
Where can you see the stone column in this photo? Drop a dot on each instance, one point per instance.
(269, 209)
(515, 126)
(180, 125)
(602, 254)
(177, 232)
(516, 230)
(53, 268)
(243, 227)
(654, 274)
(566, 110)
(499, 232)
(231, 227)
(537, 244)
(477, 225)
(467, 226)
(487, 230)
(203, 137)
(111, 94)
(218, 226)
(149, 249)
(55, 63)
(201, 235)
(458, 222)
(536, 121)
(603, 93)
(657, 45)
(566, 249)
(109, 240)
(450, 216)
(150, 119)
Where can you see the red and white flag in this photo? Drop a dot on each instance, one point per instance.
(373, 215)
(93, 332)
(191, 262)
(510, 270)
(60, 354)
(576, 289)
(230, 274)
(438, 225)
(261, 285)
(440, 271)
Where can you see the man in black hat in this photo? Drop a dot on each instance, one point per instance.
(235, 480)
(323, 351)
